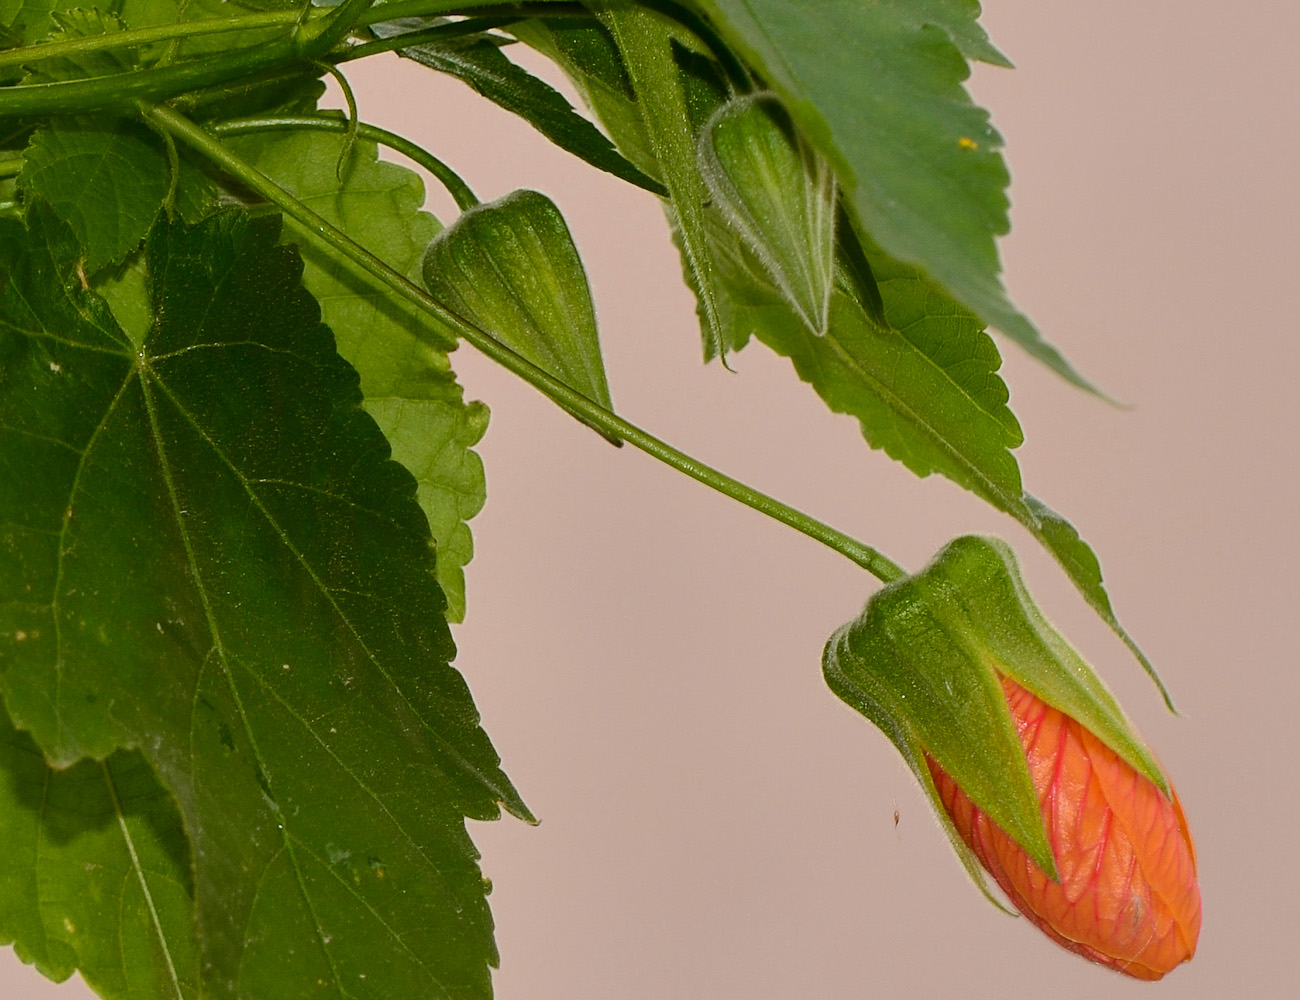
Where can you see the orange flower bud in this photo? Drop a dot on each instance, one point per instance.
(1127, 896)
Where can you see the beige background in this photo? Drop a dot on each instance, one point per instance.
(646, 654)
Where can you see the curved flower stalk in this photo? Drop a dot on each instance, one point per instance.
(1127, 894)
(1030, 764)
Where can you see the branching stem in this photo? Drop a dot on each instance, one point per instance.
(451, 327)
(456, 187)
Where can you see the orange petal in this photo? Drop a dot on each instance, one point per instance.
(1128, 896)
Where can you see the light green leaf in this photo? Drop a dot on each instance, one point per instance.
(927, 396)
(408, 385)
(208, 555)
(108, 178)
(95, 873)
(878, 88)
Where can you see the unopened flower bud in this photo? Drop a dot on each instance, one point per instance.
(1127, 894)
(1033, 770)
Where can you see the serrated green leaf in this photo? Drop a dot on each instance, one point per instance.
(878, 87)
(915, 406)
(95, 873)
(925, 389)
(1061, 538)
(587, 53)
(484, 67)
(108, 178)
(208, 555)
(511, 267)
(80, 22)
(407, 384)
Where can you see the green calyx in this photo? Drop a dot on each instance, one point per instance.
(924, 660)
(511, 267)
(779, 195)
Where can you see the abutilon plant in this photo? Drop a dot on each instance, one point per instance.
(237, 468)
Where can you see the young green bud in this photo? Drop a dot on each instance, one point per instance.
(779, 194)
(511, 267)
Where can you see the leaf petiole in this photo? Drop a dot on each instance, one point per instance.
(11, 168)
(374, 271)
(456, 187)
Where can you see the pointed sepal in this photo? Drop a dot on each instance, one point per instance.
(924, 662)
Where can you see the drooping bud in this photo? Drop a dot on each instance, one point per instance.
(779, 195)
(511, 267)
(1033, 770)
(1127, 895)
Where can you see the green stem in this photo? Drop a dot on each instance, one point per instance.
(123, 89)
(11, 168)
(134, 37)
(374, 271)
(322, 35)
(449, 179)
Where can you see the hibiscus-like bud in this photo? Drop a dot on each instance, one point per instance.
(1127, 895)
(1034, 772)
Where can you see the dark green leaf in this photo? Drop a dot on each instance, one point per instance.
(589, 57)
(589, 46)
(484, 67)
(511, 267)
(409, 386)
(878, 87)
(208, 555)
(95, 873)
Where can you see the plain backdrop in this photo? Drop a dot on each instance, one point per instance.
(646, 654)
